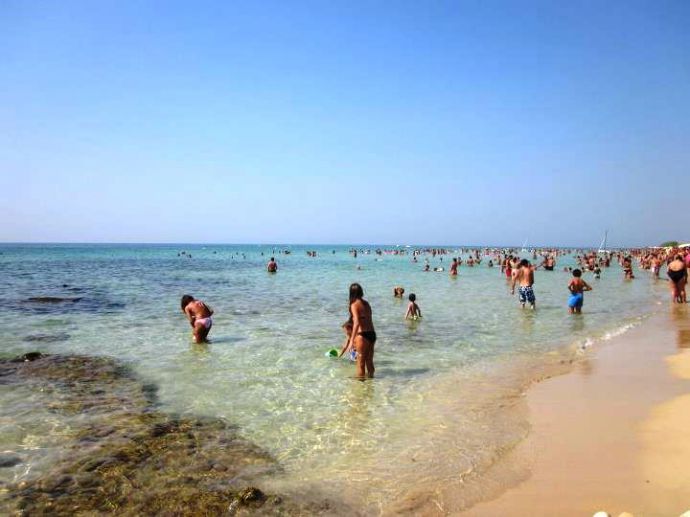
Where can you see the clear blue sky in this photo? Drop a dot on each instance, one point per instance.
(472, 122)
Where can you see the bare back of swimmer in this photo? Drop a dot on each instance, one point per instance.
(199, 316)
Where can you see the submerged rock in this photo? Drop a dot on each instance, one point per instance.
(125, 456)
(9, 460)
(25, 358)
(52, 299)
(47, 338)
(94, 302)
(251, 494)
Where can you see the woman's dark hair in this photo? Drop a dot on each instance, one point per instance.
(356, 292)
(186, 300)
(524, 262)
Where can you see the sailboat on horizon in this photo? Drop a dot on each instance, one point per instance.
(602, 246)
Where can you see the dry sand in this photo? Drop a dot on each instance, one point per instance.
(613, 435)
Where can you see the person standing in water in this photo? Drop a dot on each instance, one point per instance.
(577, 288)
(413, 310)
(524, 275)
(363, 335)
(272, 266)
(199, 316)
(627, 268)
(454, 268)
(507, 268)
(678, 276)
(656, 266)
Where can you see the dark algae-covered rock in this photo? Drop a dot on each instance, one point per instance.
(30, 356)
(52, 299)
(62, 301)
(126, 457)
(47, 338)
(9, 460)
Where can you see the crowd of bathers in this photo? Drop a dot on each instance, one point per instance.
(359, 328)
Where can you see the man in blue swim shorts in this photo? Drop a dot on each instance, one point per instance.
(577, 287)
(526, 294)
(575, 302)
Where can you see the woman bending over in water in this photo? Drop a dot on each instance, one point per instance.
(199, 316)
(363, 334)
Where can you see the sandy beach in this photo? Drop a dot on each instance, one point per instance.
(612, 434)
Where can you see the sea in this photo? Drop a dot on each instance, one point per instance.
(443, 410)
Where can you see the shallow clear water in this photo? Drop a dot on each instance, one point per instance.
(429, 414)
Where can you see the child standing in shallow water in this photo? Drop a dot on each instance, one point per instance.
(413, 310)
(347, 328)
(577, 287)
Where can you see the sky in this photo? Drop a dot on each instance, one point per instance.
(460, 122)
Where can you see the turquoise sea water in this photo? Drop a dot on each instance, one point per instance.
(429, 415)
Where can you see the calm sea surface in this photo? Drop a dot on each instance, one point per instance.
(429, 415)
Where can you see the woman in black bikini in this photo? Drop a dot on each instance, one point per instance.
(627, 269)
(678, 274)
(363, 334)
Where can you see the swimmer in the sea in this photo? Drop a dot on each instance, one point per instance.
(577, 287)
(272, 266)
(524, 275)
(678, 276)
(363, 335)
(398, 291)
(454, 267)
(627, 268)
(199, 316)
(413, 310)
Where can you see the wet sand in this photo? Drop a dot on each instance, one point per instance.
(614, 434)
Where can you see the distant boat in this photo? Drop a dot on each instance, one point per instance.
(524, 246)
(602, 246)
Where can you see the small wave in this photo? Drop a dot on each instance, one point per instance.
(590, 341)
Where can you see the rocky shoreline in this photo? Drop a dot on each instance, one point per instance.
(125, 456)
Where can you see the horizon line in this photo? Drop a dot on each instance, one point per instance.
(275, 244)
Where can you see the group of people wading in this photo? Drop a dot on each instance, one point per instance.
(359, 328)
